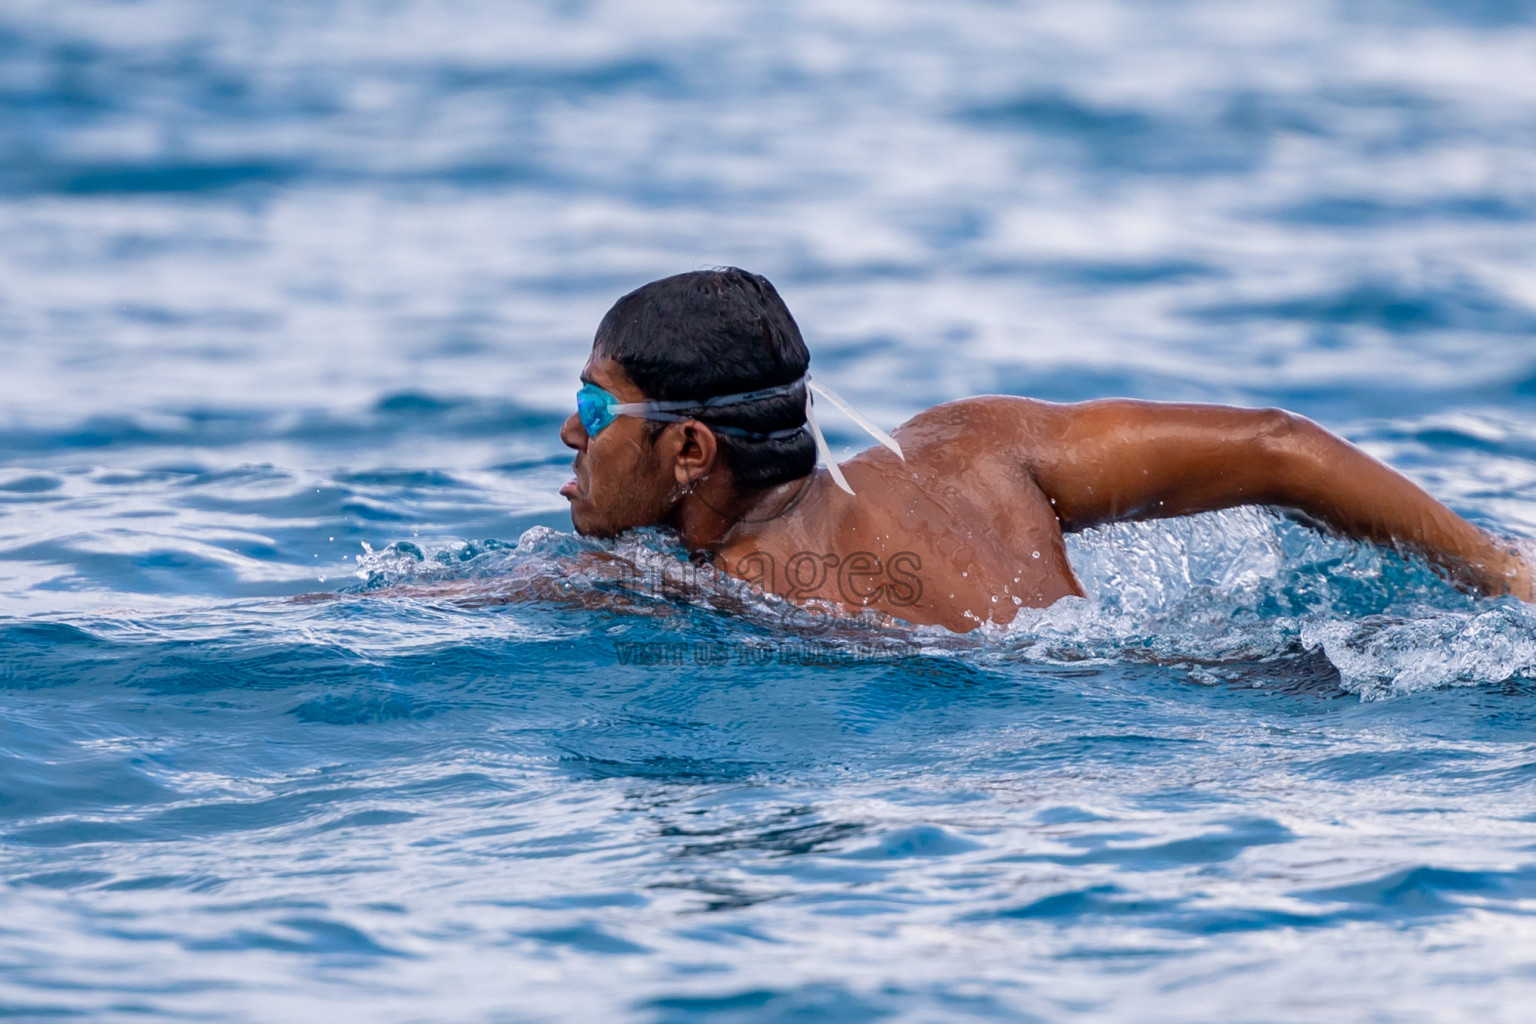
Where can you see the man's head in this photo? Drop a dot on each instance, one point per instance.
(683, 339)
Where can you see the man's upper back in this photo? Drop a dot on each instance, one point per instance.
(958, 533)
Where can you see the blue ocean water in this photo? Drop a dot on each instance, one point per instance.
(307, 711)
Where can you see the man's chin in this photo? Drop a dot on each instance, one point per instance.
(580, 522)
(588, 526)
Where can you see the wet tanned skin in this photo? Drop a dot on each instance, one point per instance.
(970, 527)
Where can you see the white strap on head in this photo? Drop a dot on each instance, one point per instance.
(822, 450)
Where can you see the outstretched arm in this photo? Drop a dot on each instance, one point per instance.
(1117, 459)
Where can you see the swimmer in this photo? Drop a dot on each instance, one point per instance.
(697, 414)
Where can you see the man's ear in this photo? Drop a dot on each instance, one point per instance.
(696, 453)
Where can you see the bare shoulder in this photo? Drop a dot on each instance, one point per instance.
(1015, 416)
(1045, 437)
(993, 422)
(1024, 432)
(999, 416)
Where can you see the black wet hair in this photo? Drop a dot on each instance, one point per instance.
(719, 332)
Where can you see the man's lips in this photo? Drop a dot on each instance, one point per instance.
(570, 488)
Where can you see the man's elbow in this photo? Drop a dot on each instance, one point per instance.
(1280, 433)
(1294, 453)
(1277, 426)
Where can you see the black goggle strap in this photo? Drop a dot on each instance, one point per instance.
(646, 410)
(699, 405)
(667, 410)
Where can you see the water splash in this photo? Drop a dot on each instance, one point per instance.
(1219, 594)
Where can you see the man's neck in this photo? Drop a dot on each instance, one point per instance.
(707, 517)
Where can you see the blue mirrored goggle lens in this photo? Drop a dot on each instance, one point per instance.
(594, 407)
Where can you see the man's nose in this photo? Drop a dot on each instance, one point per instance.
(573, 433)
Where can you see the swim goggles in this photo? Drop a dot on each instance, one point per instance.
(596, 408)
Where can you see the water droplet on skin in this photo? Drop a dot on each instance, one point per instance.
(994, 599)
(1017, 601)
(1034, 554)
(965, 574)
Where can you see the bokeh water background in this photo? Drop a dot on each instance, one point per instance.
(279, 280)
